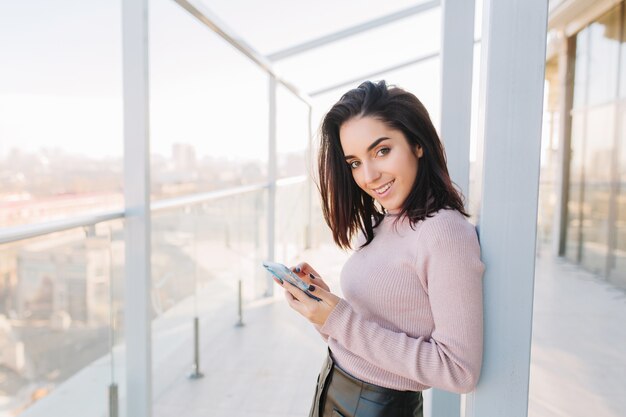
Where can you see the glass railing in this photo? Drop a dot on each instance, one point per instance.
(62, 299)
(61, 315)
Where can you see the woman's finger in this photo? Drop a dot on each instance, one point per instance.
(307, 269)
(309, 275)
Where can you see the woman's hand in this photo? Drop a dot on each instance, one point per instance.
(315, 311)
(309, 275)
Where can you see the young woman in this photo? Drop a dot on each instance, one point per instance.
(412, 317)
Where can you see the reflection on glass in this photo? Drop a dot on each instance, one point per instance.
(574, 214)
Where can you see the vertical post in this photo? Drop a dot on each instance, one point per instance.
(113, 388)
(271, 177)
(514, 43)
(195, 373)
(457, 52)
(137, 206)
(567, 60)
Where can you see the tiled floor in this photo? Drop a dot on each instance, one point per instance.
(269, 366)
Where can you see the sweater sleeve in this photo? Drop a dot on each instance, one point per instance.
(319, 330)
(450, 359)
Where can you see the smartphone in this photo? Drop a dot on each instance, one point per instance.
(282, 273)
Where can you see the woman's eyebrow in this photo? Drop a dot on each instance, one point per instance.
(372, 146)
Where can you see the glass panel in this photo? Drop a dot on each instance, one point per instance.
(208, 105)
(574, 214)
(604, 50)
(597, 186)
(200, 254)
(61, 309)
(60, 109)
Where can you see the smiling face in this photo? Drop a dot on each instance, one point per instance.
(382, 161)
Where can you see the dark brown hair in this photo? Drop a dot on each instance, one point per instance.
(346, 207)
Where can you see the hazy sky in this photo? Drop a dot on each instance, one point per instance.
(61, 72)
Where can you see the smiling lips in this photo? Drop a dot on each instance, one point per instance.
(382, 190)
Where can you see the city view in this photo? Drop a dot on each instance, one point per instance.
(57, 304)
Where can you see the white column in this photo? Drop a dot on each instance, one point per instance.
(514, 43)
(457, 51)
(137, 203)
(271, 178)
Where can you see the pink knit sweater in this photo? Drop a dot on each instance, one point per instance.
(412, 313)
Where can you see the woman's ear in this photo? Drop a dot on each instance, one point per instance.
(419, 151)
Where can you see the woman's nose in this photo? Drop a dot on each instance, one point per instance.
(371, 173)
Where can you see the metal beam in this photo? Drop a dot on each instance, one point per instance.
(511, 101)
(354, 30)
(137, 320)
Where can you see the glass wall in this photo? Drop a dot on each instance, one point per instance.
(594, 230)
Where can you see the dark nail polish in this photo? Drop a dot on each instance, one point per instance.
(311, 287)
(312, 276)
(297, 269)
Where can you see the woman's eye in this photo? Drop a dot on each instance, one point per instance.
(383, 151)
(353, 164)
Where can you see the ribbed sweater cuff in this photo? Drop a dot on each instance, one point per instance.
(337, 318)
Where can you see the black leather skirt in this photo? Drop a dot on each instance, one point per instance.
(339, 394)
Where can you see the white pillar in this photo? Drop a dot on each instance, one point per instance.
(457, 51)
(137, 204)
(514, 43)
(271, 178)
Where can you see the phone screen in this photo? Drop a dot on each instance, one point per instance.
(283, 273)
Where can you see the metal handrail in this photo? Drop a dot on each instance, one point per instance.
(17, 233)
(211, 21)
(190, 200)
